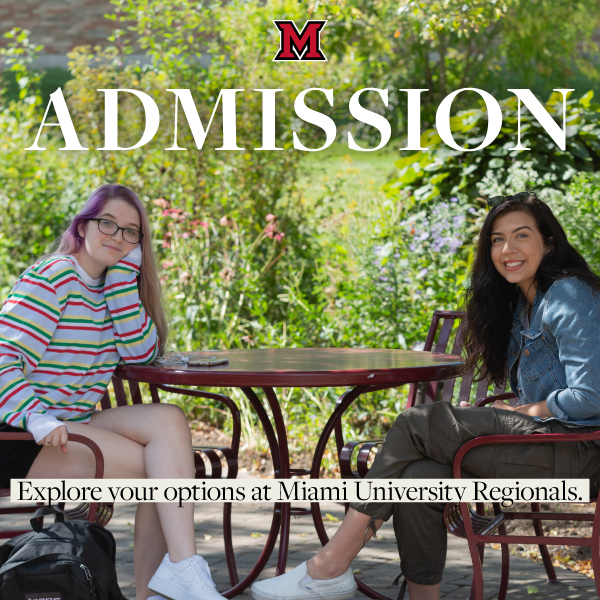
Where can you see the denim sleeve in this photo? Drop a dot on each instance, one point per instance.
(573, 318)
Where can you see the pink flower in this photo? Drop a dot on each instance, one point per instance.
(185, 235)
(204, 225)
(226, 274)
(167, 264)
(248, 340)
(223, 221)
(279, 236)
(161, 203)
(166, 213)
(271, 230)
(270, 217)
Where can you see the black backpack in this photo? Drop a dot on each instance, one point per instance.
(67, 560)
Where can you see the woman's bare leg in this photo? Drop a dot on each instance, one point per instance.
(163, 432)
(417, 591)
(335, 558)
(149, 547)
(137, 442)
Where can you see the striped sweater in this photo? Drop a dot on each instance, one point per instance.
(62, 335)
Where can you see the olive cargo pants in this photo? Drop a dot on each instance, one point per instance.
(422, 443)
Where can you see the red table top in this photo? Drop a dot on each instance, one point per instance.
(304, 367)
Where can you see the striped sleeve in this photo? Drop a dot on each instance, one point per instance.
(135, 333)
(28, 320)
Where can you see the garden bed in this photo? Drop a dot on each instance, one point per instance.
(576, 558)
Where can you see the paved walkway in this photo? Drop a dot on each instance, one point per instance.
(378, 562)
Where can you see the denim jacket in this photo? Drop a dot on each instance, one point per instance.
(560, 353)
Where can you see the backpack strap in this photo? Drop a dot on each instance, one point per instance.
(46, 510)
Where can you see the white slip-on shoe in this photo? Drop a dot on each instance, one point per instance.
(294, 586)
(188, 579)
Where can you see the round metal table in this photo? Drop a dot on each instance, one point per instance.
(364, 370)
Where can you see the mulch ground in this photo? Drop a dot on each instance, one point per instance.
(576, 558)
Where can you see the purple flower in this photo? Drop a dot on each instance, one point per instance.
(454, 199)
(471, 210)
(412, 247)
(383, 278)
(422, 273)
(389, 288)
(444, 204)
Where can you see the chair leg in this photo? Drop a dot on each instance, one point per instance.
(505, 566)
(596, 563)
(545, 554)
(480, 509)
(476, 551)
(229, 554)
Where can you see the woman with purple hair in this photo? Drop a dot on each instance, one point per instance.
(68, 321)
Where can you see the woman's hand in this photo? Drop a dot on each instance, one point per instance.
(57, 437)
(496, 404)
(501, 404)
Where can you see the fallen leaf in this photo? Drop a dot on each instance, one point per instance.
(356, 572)
(531, 589)
(331, 518)
(208, 537)
(256, 534)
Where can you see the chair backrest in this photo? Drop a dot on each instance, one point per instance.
(443, 326)
(121, 396)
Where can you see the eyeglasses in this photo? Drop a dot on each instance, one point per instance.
(520, 197)
(108, 227)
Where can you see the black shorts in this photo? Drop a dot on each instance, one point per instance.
(16, 456)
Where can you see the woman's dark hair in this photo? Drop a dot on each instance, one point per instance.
(491, 300)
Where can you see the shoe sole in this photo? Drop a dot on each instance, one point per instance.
(153, 587)
(166, 590)
(327, 596)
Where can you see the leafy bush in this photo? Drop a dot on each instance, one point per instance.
(577, 206)
(442, 172)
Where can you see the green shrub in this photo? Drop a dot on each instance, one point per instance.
(441, 172)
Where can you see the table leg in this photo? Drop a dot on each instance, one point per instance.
(284, 473)
(334, 422)
(277, 440)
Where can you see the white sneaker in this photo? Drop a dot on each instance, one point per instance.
(297, 585)
(188, 579)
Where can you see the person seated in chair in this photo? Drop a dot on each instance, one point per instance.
(69, 319)
(532, 311)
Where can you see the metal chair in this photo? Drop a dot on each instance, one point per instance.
(220, 460)
(96, 512)
(478, 529)
(444, 325)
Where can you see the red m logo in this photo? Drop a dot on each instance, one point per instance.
(300, 46)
